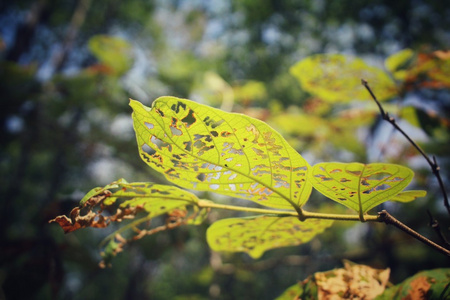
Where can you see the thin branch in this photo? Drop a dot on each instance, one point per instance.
(433, 163)
(437, 228)
(385, 217)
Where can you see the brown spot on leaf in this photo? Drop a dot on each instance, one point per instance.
(419, 288)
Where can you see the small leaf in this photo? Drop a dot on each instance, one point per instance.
(255, 235)
(112, 51)
(358, 186)
(155, 199)
(202, 148)
(408, 196)
(399, 62)
(337, 78)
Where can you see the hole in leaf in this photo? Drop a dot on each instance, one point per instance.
(395, 179)
(382, 187)
(190, 119)
(214, 186)
(175, 131)
(147, 149)
(378, 176)
(160, 112)
(160, 143)
(149, 125)
(176, 108)
(188, 146)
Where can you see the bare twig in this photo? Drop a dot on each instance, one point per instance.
(437, 228)
(385, 217)
(433, 163)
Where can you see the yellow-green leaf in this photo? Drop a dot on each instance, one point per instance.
(397, 63)
(359, 186)
(123, 200)
(337, 78)
(156, 199)
(112, 51)
(202, 148)
(408, 196)
(298, 123)
(100, 190)
(255, 235)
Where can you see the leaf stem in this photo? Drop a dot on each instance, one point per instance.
(433, 163)
(305, 214)
(340, 217)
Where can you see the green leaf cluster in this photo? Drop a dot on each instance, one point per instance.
(202, 148)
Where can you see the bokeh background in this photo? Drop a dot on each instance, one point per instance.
(68, 68)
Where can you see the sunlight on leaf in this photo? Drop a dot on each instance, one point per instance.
(358, 186)
(398, 63)
(299, 123)
(154, 199)
(354, 281)
(408, 196)
(337, 78)
(202, 148)
(255, 235)
(112, 51)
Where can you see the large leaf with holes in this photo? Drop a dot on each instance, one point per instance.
(255, 235)
(359, 186)
(337, 78)
(202, 148)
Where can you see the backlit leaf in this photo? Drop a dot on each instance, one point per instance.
(358, 186)
(337, 78)
(408, 196)
(255, 235)
(126, 199)
(114, 52)
(202, 148)
(399, 62)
